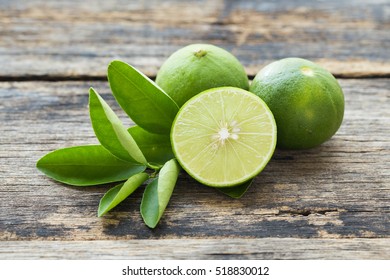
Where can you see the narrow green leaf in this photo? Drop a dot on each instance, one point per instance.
(150, 204)
(142, 99)
(110, 131)
(86, 165)
(158, 193)
(236, 191)
(119, 193)
(156, 148)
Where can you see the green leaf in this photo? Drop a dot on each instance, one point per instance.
(86, 165)
(142, 99)
(158, 193)
(120, 192)
(156, 147)
(236, 191)
(110, 131)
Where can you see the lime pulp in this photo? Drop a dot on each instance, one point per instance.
(224, 136)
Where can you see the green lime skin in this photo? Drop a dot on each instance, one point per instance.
(305, 99)
(198, 67)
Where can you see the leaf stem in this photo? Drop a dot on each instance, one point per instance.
(155, 173)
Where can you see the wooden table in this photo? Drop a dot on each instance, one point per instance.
(331, 202)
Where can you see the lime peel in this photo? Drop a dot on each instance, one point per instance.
(306, 100)
(198, 67)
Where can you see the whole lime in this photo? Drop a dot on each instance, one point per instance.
(306, 100)
(195, 68)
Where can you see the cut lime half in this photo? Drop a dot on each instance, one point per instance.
(224, 136)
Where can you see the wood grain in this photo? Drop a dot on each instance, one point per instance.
(331, 202)
(340, 190)
(218, 249)
(72, 39)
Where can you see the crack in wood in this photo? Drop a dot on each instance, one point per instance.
(307, 212)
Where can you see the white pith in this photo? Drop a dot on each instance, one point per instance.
(226, 131)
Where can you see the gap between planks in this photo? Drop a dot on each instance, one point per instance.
(60, 78)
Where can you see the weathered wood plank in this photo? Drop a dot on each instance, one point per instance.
(338, 190)
(46, 39)
(232, 248)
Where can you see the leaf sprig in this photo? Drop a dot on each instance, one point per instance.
(124, 155)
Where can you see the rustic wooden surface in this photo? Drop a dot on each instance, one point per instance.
(76, 39)
(232, 248)
(330, 202)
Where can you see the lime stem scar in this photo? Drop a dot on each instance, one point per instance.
(307, 71)
(200, 53)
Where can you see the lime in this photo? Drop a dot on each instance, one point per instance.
(198, 67)
(224, 136)
(305, 99)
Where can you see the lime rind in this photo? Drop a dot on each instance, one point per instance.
(198, 67)
(224, 136)
(306, 100)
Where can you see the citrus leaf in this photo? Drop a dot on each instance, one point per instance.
(150, 204)
(236, 191)
(143, 101)
(158, 192)
(156, 148)
(110, 131)
(117, 194)
(86, 165)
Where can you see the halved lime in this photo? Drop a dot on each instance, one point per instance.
(224, 136)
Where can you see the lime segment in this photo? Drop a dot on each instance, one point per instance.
(224, 136)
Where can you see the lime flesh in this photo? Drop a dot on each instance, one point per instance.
(224, 136)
